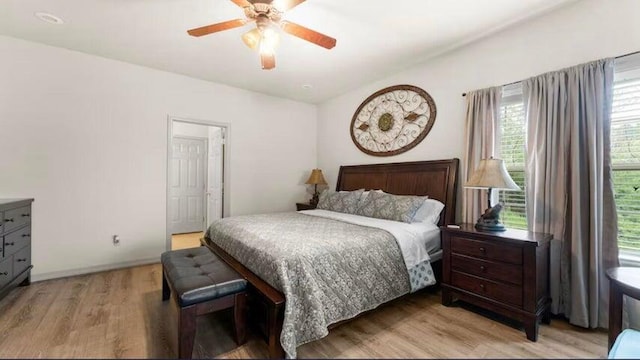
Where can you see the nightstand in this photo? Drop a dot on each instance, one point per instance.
(304, 206)
(505, 272)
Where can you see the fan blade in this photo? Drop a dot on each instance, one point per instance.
(284, 5)
(209, 29)
(241, 3)
(268, 61)
(308, 34)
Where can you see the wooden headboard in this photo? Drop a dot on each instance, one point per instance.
(437, 179)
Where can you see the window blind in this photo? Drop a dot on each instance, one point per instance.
(625, 157)
(512, 151)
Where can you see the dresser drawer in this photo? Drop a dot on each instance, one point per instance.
(486, 250)
(488, 269)
(21, 260)
(17, 240)
(6, 272)
(509, 294)
(15, 218)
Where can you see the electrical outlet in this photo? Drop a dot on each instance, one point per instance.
(116, 240)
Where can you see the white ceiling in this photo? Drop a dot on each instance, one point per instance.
(376, 38)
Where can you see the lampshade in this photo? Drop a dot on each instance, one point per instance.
(252, 38)
(491, 174)
(316, 178)
(269, 41)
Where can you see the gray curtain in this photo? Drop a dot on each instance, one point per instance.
(483, 110)
(569, 185)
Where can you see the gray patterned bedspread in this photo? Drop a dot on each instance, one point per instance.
(327, 269)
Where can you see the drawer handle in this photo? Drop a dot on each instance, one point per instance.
(9, 244)
(4, 273)
(482, 249)
(482, 268)
(26, 235)
(8, 220)
(21, 260)
(482, 286)
(26, 215)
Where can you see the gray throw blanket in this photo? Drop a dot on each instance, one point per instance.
(328, 270)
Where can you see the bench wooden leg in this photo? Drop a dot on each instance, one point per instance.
(166, 290)
(186, 331)
(240, 317)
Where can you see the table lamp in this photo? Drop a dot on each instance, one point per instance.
(491, 174)
(315, 179)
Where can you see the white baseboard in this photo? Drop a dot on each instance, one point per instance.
(93, 269)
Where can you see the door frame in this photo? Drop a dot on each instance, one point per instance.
(226, 206)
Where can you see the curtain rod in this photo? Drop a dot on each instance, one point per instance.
(617, 57)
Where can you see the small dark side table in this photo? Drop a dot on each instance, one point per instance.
(624, 281)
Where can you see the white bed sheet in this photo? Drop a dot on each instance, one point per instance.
(416, 241)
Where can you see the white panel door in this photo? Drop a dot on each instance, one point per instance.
(187, 184)
(216, 174)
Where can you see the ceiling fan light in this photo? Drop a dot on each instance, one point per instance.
(252, 39)
(269, 42)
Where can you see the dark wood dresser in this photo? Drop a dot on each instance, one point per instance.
(15, 236)
(505, 272)
(304, 206)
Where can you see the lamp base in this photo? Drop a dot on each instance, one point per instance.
(314, 200)
(490, 220)
(490, 225)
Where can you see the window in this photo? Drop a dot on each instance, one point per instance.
(625, 155)
(512, 151)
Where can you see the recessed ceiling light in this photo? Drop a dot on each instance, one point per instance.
(307, 86)
(50, 18)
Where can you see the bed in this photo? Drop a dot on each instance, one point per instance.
(331, 270)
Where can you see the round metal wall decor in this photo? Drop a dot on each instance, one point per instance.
(393, 120)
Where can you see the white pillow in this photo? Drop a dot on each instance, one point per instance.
(366, 193)
(429, 212)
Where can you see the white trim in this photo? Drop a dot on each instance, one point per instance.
(627, 67)
(93, 269)
(226, 161)
(629, 258)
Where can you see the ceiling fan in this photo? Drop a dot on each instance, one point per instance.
(267, 15)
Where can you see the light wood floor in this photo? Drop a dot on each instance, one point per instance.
(185, 241)
(119, 314)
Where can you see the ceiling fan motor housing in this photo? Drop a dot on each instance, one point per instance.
(263, 10)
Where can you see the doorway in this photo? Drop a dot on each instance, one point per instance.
(197, 171)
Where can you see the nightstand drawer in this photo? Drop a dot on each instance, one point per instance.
(509, 294)
(17, 240)
(6, 272)
(488, 269)
(21, 260)
(16, 217)
(486, 250)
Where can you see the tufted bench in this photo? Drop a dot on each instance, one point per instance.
(201, 283)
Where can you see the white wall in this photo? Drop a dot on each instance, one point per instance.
(584, 31)
(87, 138)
